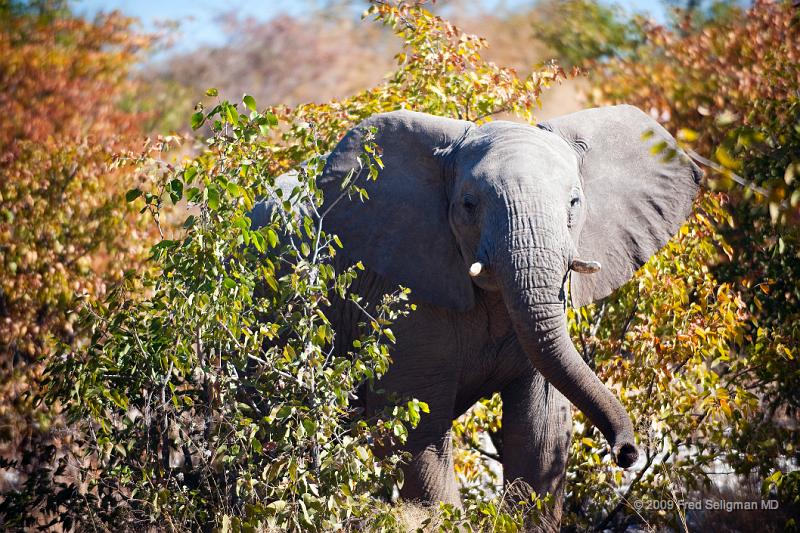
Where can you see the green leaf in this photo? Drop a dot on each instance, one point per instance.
(250, 102)
(277, 507)
(258, 241)
(198, 119)
(273, 237)
(175, 190)
(132, 195)
(189, 173)
(232, 114)
(213, 198)
(243, 223)
(233, 189)
(192, 194)
(270, 280)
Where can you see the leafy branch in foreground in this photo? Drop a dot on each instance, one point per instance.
(211, 390)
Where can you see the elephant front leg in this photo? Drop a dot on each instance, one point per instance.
(537, 426)
(430, 477)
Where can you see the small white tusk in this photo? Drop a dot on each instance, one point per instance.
(475, 269)
(585, 267)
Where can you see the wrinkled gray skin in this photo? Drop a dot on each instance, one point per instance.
(525, 202)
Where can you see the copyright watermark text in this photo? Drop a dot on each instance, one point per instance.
(705, 505)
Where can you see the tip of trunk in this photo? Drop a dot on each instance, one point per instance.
(625, 454)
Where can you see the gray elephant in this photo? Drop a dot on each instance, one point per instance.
(494, 228)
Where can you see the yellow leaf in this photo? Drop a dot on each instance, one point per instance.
(725, 407)
(687, 134)
(726, 158)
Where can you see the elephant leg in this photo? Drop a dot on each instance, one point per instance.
(537, 427)
(425, 366)
(430, 477)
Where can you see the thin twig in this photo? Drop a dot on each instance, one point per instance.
(747, 184)
(624, 498)
(485, 453)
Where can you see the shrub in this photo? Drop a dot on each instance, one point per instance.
(212, 378)
(716, 379)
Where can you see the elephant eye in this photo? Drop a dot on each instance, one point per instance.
(470, 202)
(574, 202)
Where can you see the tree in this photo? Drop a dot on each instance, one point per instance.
(580, 31)
(65, 235)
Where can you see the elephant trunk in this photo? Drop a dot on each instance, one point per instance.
(531, 266)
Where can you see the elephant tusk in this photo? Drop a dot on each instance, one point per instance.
(585, 267)
(475, 269)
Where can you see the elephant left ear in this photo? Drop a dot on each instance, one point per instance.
(639, 188)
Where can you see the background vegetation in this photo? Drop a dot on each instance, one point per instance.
(65, 232)
(166, 366)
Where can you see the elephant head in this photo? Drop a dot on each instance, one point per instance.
(515, 208)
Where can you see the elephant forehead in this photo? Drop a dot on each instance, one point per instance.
(507, 149)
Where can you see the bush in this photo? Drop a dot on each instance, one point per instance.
(212, 377)
(715, 348)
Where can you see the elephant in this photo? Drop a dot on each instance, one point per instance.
(496, 229)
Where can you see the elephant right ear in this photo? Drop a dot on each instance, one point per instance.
(402, 231)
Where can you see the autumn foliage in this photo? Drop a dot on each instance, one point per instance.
(63, 119)
(64, 234)
(710, 324)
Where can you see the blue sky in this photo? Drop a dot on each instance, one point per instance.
(199, 18)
